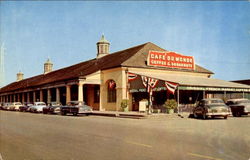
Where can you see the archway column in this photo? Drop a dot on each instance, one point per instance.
(28, 97)
(80, 91)
(49, 96)
(23, 97)
(34, 96)
(41, 95)
(68, 93)
(57, 95)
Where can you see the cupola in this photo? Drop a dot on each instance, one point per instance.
(19, 76)
(48, 66)
(102, 47)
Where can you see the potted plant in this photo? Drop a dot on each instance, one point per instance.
(170, 105)
(124, 105)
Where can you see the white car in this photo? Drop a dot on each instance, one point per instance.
(15, 106)
(6, 106)
(37, 107)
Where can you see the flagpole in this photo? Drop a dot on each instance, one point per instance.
(178, 99)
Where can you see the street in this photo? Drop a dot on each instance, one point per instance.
(26, 136)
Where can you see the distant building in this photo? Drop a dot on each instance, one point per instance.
(142, 72)
(246, 81)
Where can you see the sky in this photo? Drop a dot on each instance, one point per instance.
(216, 33)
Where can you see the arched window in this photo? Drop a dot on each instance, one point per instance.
(111, 91)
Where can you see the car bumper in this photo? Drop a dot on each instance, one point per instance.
(218, 114)
(85, 112)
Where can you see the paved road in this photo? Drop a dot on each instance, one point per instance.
(26, 136)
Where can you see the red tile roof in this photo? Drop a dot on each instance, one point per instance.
(132, 57)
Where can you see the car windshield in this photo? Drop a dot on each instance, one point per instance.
(74, 103)
(215, 102)
(41, 104)
(243, 101)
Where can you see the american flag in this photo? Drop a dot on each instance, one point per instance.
(131, 76)
(149, 83)
(171, 86)
(112, 84)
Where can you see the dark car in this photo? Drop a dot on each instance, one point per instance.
(239, 106)
(52, 108)
(25, 107)
(211, 108)
(76, 107)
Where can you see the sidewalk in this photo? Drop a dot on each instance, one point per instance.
(139, 115)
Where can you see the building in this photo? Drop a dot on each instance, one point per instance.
(142, 72)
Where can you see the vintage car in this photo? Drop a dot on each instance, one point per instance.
(15, 106)
(25, 107)
(5, 106)
(37, 107)
(211, 108)
(239, 106)
(76, 107)
(1, 105)
(53, 108)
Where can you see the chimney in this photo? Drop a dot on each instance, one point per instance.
(48, 66)
(19, 76)
(102, 47)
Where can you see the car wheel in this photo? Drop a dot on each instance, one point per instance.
(204, 116)
(238, 114)
(195, 115)
(44, 112)
(225, 117)
(63, 113)
(74, 114)
(212, 117)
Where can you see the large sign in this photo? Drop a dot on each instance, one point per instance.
(170, 60)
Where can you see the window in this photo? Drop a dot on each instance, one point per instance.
(111, 91)
(96, 94)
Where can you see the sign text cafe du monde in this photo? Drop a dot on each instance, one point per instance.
(170, 60)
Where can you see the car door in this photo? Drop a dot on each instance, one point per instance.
(200, 108)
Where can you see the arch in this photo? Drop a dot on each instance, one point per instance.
(111, 91)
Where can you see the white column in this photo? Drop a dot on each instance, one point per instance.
(34, 96)
(48, 96)
(41, 96)
(18, 97)
(68, 94)
(23, 97)
(57, 95)
(13, 98)
(80, 92)
(28, 97)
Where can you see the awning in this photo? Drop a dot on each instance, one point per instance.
(190, 82)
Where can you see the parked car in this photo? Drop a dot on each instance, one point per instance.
(25, 107)
(15, 106)
(37, 107)
(53, 108)
(1, 106)
(5, 106)
(76, 107)
(211, 108)
(239, 106)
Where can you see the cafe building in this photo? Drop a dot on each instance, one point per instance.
(143, 72)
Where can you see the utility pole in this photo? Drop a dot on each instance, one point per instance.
(2, 74)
